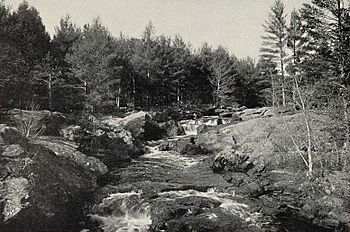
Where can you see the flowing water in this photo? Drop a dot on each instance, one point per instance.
(191, 126)
(169, 177)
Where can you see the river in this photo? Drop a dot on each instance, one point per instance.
(167, 191)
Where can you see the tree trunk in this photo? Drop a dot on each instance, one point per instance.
(50, 95)
(283, 78)
(308, 129)
(273, 89)
(178, 92)
(346, 119)
(117, 97)
(133, 92)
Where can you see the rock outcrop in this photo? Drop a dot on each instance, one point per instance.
(44, 185)
(113, 146)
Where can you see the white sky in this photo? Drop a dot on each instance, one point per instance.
(234, 24)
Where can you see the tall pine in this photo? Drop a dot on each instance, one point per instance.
(274, 48)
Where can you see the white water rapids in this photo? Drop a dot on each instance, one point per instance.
(130, 212)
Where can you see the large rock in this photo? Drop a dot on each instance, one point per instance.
(45, 190)
(11, 135)
(133, 122)
(72, 133)
(69, 151)
(195, 213)
(113, 146)
(155, 131)
(264, 139)
(172, 128)
(231, 161)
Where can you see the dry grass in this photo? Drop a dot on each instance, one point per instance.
(29, 125)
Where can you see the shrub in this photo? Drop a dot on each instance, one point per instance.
(29, 125)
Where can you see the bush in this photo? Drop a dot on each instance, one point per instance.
(29, 125)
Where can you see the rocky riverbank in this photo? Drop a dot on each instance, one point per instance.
(236, 170)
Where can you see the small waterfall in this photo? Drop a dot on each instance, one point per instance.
(226, 120)
(190, 126)
(123, 212)
(210, 121)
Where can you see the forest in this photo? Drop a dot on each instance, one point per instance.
(88, 68)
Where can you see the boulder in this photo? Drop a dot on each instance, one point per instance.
(172, 128)
(195, 213)
(153, 131)
(72, 133)
(231, 161)
(114, 147)
(133, 122)
(184, 146)
(69, 151)
(11, 135)
(43, 190)
(262, 139)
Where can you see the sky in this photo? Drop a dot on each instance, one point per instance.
(234, 24)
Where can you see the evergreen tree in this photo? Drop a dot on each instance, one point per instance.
(25, 43)
(250, 87)
(145, 61)
(180, 72)
(274, 45)
(295, 44)
(66, 34)
(223, 76)
(88, 61)
(28, 35)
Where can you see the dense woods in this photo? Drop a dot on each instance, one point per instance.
(89, 69)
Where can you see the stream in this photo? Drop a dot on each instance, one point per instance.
(167, 191)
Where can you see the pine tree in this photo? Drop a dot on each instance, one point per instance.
(274, 45)
(145, 62)
(179, 72)
(26, 43)
(66, 34)
(88, 61)
(28, 34)
(250, 87)
(295, 44)
(223, 76)
(336, 20)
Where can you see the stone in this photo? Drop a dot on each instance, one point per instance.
(12, 151)
(72, 133)
(231, 161)
(115, 147)
(11, 135)
(43, 191)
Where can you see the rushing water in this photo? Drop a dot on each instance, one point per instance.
(126, 212)
(191, 126)
(131, 211)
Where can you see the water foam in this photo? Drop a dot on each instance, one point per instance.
(123, 212)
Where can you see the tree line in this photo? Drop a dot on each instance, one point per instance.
(90, 69)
